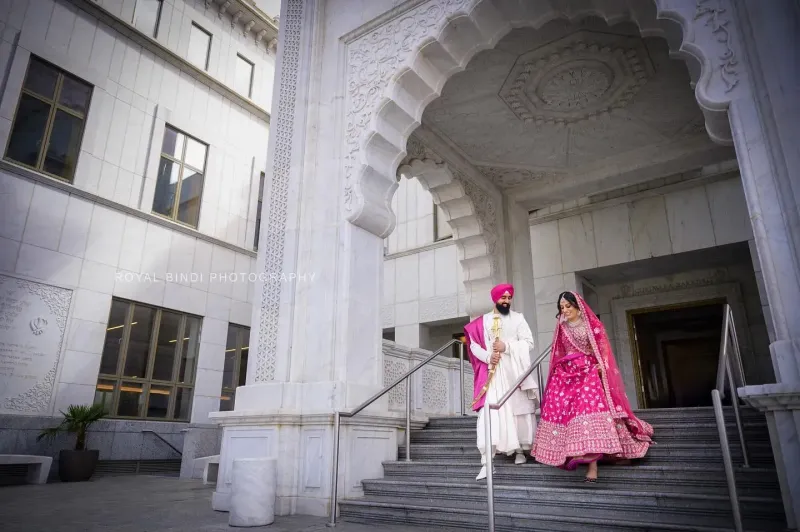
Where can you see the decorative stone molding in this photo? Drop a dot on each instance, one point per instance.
(472, 216)
(512, 177)
(717, 17)
(434, 390)
(278, 195)
(396, 69)
(36, 399)
(439, 308)
(577, 77)
(254, 22)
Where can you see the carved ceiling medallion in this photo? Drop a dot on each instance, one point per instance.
(576, 78)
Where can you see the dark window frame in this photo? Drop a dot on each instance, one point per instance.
(242, 343)
(120, 380)
(182, 166)
(54, 107)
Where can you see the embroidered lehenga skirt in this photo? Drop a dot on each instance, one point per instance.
(576, 420)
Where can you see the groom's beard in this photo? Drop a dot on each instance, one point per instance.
(503, 308)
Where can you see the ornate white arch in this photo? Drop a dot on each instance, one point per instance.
(471, 214)
(397, 69)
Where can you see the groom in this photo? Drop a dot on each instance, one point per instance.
(499, 345)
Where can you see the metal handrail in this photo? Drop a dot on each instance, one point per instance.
(725, 369)
(536, 365)
(160, 437)
(337, 416)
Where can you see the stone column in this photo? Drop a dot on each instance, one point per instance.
(765, 131)
(316, 336)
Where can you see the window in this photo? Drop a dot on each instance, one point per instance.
(243, 84)
(179, 184)
(146, 16)
(234, 372)
(48, 126)
(258, 210)
(199, 46)
(148, 365)
(441, 229)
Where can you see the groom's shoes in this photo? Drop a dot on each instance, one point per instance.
(520, 459)
(482, 474)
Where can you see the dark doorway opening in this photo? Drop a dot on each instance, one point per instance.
(676, 351)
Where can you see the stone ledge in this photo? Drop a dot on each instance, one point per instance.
(254, 417)
(772, 397)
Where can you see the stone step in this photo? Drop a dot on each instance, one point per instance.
(595, 502)
(375, 512)
(665, 433)
(751, 481)
(695, 453)
(700, 415)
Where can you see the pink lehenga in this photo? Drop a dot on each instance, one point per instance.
(585, 413)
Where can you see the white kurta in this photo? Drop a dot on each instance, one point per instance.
(514, 424)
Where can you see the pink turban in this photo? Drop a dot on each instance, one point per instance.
(499, 290)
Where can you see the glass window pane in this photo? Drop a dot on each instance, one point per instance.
(195, 154)
(226, 401)
(243, 83)
(191, 190)
(64, 145)
(113, 344)
(130, 399)
(199, 44)
(75, 94)
(165, 346)
(41, 78)
(166, 185)
(139, 342)
(243, 363)
(183, 404)
(27, 135)
(145, 16)
(173, 143)
(228, 368)
(191, 346)
(158, 401)
(104, 394)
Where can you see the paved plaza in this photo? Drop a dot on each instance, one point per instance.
(135, 504)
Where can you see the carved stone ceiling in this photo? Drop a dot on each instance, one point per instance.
(565, 98)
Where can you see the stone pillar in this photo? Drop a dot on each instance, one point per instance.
(520, 265)
(765, 130)
(316, 335)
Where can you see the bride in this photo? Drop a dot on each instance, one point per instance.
(585, 414)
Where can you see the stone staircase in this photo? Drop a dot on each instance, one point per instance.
(679, 485)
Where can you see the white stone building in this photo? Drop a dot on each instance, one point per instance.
(134, 138)
(643, 153)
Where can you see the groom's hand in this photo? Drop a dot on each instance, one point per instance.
(498, 346)
(495, 358)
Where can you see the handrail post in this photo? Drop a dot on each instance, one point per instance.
(726, 460)
(489, 452)
(461, 378)
(737, 414)
(408, 419)
(723, 351)
(337, 421)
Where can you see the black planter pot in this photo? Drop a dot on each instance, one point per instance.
(77, 466)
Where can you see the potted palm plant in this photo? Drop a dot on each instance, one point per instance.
(78, 464)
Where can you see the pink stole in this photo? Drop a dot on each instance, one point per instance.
(474, 333)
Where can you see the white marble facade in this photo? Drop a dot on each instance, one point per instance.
(405, 89)
(97, 238)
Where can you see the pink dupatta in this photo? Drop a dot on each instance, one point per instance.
(474, 333)
(610, 375)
